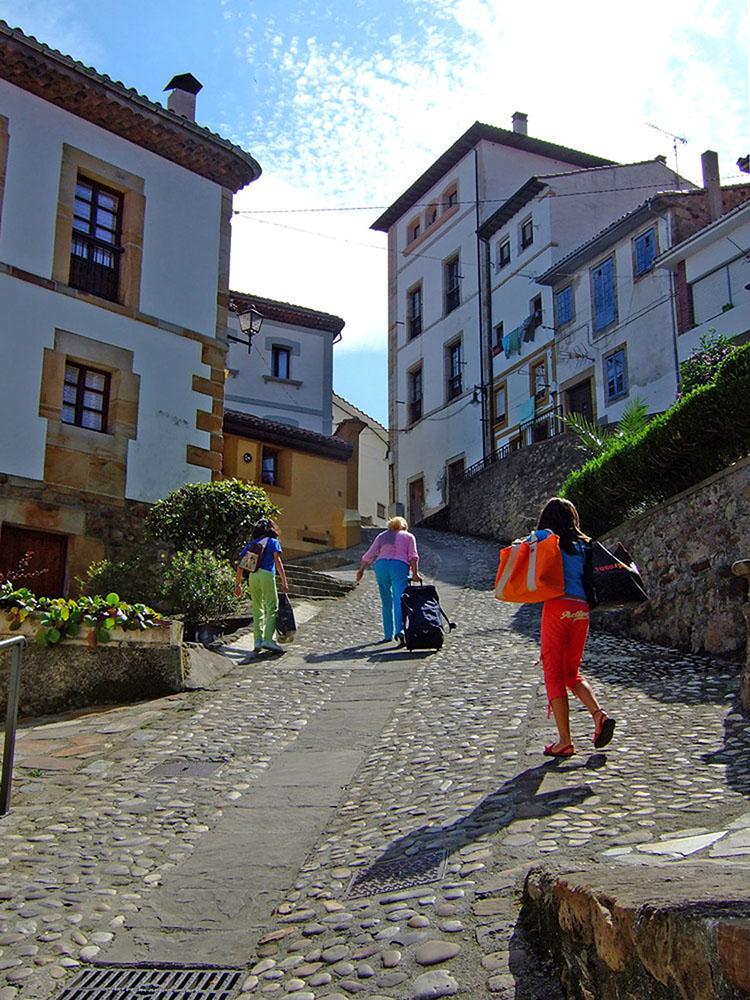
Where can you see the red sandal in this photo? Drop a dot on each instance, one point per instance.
(604, 730)
(566, 751)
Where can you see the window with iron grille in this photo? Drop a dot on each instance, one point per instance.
(564, 306)
(455, 370)
(415, 395)
(527, 233)
(269, 470)
(452, 286)
(281, 362)
(644, 252)
(415, 311)
(95, 249)
(615, 372)
(381, 510)
(85, 397)
(503, 254)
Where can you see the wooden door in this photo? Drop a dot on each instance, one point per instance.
(580, 401)
(416, 501)
(42, 556)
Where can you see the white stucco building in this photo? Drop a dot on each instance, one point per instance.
(114, 263)
(539, 225)
(437, 340)
(711, 270)
(373, 461)
(617, 331)
(287, 375)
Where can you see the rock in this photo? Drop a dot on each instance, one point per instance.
(390, 958)
(335, 954)
(433, 952)
(434, 984)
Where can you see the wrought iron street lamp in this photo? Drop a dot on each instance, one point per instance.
(250, 323)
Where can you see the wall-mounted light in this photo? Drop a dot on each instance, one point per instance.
(250, 323)
(247, 457)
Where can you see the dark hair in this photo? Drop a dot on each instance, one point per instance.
(561, 517)
(264, 529)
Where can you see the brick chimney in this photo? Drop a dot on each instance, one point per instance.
(520, 123)
(712, 183)
(183, 89)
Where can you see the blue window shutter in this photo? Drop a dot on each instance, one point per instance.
(605, 299)
(645, 252)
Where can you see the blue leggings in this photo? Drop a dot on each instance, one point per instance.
(392, 576)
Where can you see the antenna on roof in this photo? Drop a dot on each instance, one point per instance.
(675, 139)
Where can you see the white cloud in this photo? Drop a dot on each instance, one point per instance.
(353, 126)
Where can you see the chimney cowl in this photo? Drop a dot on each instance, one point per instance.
(183, 89)
(520, 123)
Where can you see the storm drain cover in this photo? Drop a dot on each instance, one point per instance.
(152, 984)
(399, 873)
(185, 765)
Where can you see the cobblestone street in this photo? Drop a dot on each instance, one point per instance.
(228, 826)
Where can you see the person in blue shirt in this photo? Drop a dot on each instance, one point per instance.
(262, 584)
(565, 627)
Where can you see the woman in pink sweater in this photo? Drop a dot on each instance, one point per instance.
(394, 553)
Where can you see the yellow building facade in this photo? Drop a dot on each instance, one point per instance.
(311, 477)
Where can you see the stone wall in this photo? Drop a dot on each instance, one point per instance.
(60, 678)
(685, 548)
(676, 933)
(504, 501)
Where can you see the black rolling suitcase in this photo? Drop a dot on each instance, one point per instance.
(423, 617)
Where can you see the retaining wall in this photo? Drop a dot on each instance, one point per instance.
(685, 548)
(504, 500)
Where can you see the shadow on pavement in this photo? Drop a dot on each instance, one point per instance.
(366, 652)
(517, 797)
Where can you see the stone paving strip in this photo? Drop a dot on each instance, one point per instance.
(451, 764)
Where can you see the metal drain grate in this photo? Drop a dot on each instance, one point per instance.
(185, 765)
(400, 873)
(152, 984)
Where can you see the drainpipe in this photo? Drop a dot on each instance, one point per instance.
(673, 309)
(480, 301)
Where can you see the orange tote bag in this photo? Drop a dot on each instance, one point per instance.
(530, 570)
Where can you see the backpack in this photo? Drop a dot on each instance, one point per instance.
(530, 570)
(422, 614)
(251, 557)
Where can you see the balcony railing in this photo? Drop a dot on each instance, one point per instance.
(95, 266)
(539, 429)
(452, 298)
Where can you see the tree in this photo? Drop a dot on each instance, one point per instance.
(702, 365)
(215, 516)
(598, 439)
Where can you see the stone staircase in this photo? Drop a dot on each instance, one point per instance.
(310, 584)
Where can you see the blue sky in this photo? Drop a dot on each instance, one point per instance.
(345, 103)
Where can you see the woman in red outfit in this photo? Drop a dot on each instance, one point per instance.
(565, 627)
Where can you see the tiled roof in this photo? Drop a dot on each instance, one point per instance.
(286, 312)
(531, 189)
(339, 400)
(270, 432)
(80, 90)
(612, 233)
(459, 149)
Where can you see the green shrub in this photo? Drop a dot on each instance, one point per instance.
(216, 516)
(704, 432)
(195, 585)
(199, 585)
(138, 578)
(703, 364)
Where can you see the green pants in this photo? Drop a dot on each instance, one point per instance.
(265, 603)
